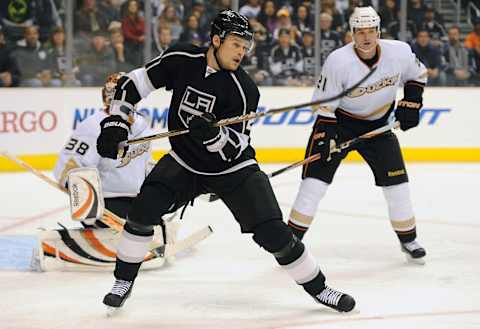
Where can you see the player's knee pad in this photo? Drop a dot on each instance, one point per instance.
(277, 238)
(398, 201)
(138, 228)
(311, 191)
(153, 201)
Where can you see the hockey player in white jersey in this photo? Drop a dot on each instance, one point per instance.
(370, 106)
(121, 179)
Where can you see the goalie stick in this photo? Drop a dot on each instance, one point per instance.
(249, 116)
(115, 222)
(316, 156)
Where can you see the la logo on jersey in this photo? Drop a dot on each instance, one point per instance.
(194, 102)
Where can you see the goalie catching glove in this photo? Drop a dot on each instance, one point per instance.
(114, 129)
(228, 143)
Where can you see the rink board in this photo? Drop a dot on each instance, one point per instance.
(35, 123)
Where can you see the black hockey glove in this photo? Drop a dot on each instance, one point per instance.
(202, 127)
(113, 131)
(408, 109)
(408, 114)
(327, 137)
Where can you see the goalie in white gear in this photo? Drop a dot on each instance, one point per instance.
(94, 245)
(370, 106)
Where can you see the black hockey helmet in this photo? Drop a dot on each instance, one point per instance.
(229, 21)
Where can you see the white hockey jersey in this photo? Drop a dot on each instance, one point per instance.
(343, 68)
(119, 178)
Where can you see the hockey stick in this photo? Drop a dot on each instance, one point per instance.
(249, 116)
(172, 249)
(338, 148)
(316, 156)
(112, 220)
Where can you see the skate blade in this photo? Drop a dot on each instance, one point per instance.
(112, 311)
(415, 261)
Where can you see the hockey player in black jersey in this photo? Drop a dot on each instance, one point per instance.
(208, 85)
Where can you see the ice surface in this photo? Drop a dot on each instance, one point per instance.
(228, 282)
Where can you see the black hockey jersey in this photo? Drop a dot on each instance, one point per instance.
(182, 69)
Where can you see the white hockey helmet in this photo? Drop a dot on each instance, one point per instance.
(364, 17)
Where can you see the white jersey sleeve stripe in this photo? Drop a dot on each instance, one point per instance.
(178, 53)
(242, 94)
(141, 81)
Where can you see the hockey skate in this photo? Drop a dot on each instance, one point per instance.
(335, 299)
(115, 299)
(415, 253)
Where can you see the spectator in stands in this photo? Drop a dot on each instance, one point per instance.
(430, 55)
(220, 5)
(97, 62)
(473, 38)
(261, 53)
(347, 37)
(163, 40)
(170, 19)
(329, 40)
(286, 64)
(9, 73)
(388, 13)
(178, 5)
(191, 33)
(347, 13)
(47, 18)
(308, 54)
(393, 29)
(251, 9)
(302, 20)
(284, 22)
(89, 19)
(328, 6)
(476, 65)
(58, 60)
(16, 16)
(204, 16)
(133, 28)
(33, 62)
(436, 30)
(268, 17)
(117, 42)
(258, 60)
(111, 9)
(416, 12)
(458, 68)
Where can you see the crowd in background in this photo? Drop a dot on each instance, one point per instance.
(109, 36)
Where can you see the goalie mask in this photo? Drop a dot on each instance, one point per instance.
(108, 90)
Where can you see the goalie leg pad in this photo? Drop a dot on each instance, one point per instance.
(82, 250)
